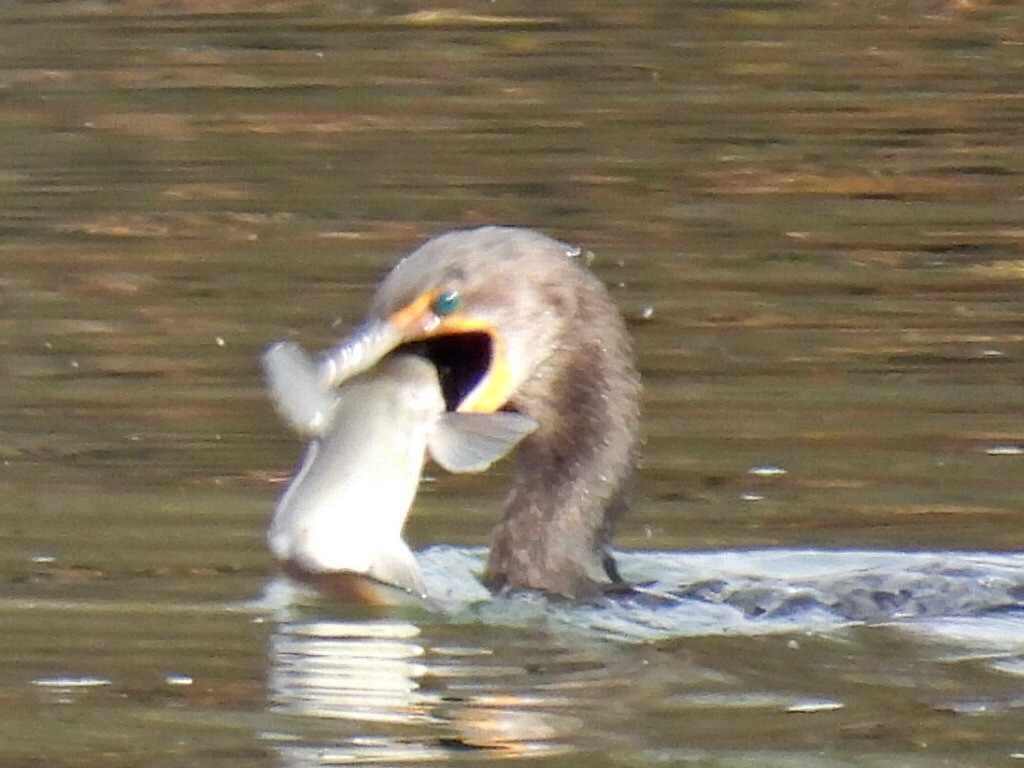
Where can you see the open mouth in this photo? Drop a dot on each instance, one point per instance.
(462, 361)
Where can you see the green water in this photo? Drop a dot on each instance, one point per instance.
(810, 212)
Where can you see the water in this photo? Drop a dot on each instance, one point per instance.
(808, 211)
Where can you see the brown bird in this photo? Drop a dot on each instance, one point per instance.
(514, 321)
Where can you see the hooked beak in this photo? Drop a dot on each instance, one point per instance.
(363, 349)
(470, 353)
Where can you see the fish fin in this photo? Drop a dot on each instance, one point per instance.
(398, 568)
(471, 442)
(294, 385)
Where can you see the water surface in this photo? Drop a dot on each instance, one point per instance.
(810, 213)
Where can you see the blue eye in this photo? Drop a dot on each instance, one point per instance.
(447, 302)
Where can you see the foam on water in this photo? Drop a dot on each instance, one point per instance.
(966, 598)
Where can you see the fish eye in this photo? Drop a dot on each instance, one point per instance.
(447, 302)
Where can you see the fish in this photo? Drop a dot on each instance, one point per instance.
(344, 509)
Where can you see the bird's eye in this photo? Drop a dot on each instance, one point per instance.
(447, 302)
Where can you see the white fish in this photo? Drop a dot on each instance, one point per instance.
(344, 509)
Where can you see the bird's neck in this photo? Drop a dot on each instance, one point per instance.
(572, 476)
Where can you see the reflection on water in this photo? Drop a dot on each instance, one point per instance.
(810, 212)
(383, 672)
(435, 687)
(65, 688)
(359, 670)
